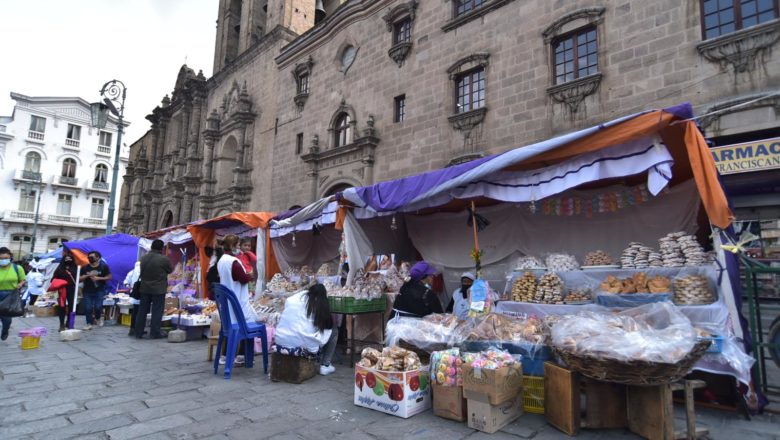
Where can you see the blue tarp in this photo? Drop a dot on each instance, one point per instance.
(119, 251)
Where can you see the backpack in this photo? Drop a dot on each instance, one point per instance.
(212, 276)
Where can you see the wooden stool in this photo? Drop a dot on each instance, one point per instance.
(212, 342)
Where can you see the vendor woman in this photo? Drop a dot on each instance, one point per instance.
(306, 327)
(416, 298)
(460, 303)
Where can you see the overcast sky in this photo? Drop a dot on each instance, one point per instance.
(72, 47)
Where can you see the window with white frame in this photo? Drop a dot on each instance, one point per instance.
(38, 124)
(64, 202)
(27, 200)
(105, 139)
(74, 132)
(343, 131)
(69, 168)
(32, 162)
(101, 173)
(97, 208)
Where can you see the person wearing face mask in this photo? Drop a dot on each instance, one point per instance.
(11, 278)
(94, 276)
(416, 298)
(459, 304)
(155, 268)
(66, 271)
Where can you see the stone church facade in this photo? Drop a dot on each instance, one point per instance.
(304, 103)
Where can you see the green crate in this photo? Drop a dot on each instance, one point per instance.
(343, 304)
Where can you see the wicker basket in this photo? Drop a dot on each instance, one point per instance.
(632, 372)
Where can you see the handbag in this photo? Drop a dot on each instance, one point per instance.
(12, 305)
(135, 292)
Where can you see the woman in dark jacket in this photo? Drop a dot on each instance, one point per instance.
(66, 272)
(416, 298)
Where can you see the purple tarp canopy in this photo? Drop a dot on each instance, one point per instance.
(119, 251)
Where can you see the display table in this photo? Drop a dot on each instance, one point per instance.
(351, 340)
(712, 317)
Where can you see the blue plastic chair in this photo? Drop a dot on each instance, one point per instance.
(234, 332)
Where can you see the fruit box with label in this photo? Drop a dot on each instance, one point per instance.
(400, 393)
(489, 418)
(492, 386)
(448, 402)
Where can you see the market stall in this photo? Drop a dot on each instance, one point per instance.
(119, 251)
(632, 199)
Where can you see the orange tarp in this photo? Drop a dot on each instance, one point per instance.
(692, 157)
(204, 234)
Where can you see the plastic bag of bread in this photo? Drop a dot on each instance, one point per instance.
(656, 332)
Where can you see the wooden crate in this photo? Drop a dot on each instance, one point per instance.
(292, 369)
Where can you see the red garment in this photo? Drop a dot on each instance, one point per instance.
(249, 261)
(239, 274)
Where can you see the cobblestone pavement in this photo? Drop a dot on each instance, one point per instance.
(109, 386)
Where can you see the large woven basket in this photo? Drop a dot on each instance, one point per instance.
(632, 372)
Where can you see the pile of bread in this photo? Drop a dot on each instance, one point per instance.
(390, 359)
(638, 283)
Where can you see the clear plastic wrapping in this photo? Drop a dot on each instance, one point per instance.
(656, 332)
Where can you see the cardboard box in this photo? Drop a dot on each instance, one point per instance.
(492, 386)
(490, 418)
(43, 312)
(400, 393)
(448, 402)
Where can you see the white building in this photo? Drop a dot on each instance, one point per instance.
(48, 146)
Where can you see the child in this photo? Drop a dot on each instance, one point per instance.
(247, 258)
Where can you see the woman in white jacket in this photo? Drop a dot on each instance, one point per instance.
(306, 326)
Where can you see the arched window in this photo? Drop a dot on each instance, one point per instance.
(167, 219)
(343, 131)
(101, 173)
(32, 162)
(69, 168)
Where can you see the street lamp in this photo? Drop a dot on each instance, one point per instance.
(113, 93)
(28, 189)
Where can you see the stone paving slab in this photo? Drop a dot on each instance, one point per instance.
(108, 386)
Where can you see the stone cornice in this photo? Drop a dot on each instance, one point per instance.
(572, 93)
(346, 14)
(741, 48)
(488, 6)
(592, 15)
(266, 42)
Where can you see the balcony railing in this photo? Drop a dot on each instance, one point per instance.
(100, 185)
(94, 221)
(35, 135)
(31, 175)
(63, 218)
(23, 214)
(104, 149)
(72, 142)
(65, 180)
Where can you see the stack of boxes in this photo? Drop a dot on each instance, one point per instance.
(487, 398)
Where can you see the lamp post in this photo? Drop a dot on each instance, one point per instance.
(113, 93)
(28, 187)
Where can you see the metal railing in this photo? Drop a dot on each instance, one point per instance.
(65, 180)
(63, 218)
(100, 185)
(35, 135)
(72, 142)
(22, 214)
(756, 274)
(31, 175)
(94, 221)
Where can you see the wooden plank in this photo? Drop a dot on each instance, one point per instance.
(605, 405)
(650, 412)
(690, 411)
(562, 398)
